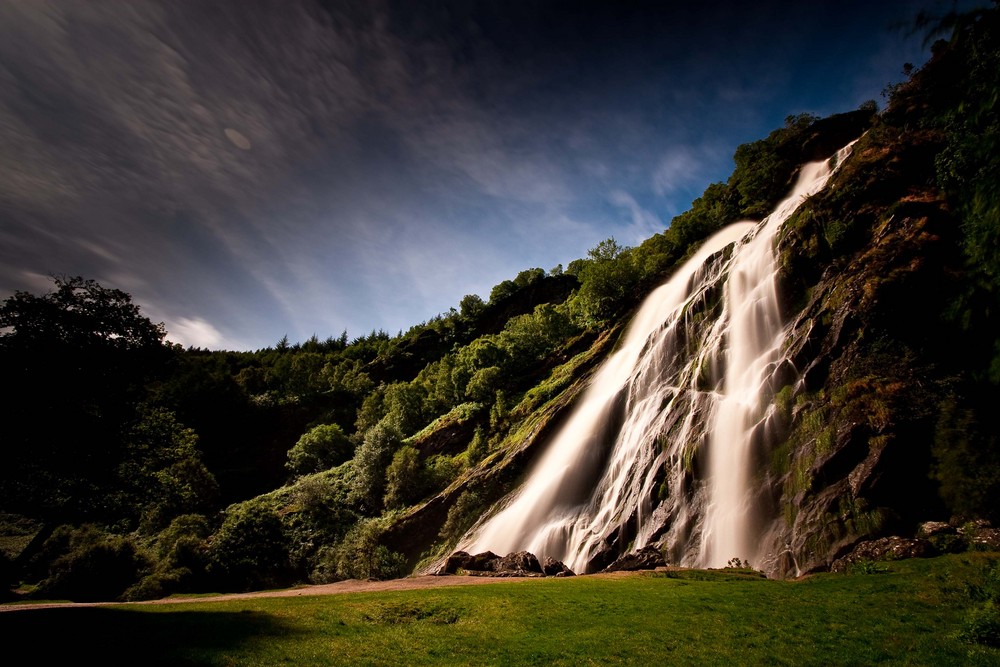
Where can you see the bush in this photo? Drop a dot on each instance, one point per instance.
(250, 549)
(982, 625)
(461, 516)
(360, 555)
(91, 565)
(405, 480)
(371, 460)
(320, 448)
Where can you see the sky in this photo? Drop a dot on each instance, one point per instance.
(251, 170)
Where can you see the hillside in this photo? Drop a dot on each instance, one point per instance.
(161, 470)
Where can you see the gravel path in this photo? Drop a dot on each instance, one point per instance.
(350, 586)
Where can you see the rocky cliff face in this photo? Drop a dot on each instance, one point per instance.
(868, 266)
(863, 263)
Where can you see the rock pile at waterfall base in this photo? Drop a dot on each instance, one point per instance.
(646, 558)
(525, 564)
(516, 564)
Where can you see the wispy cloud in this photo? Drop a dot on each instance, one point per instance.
(644, 223)
(194, 332)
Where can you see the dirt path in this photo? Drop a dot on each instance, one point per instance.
(350, 586)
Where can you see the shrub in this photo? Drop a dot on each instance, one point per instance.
(361, 555)
(461, 516)
(319, 448)
(982, 625)
(91, 564)
(371, 460)
(405, 480)
(250, 549)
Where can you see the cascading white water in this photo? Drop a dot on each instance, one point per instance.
(690, 381)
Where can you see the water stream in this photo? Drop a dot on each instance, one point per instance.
(662, 445)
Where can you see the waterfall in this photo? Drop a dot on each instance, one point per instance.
(662, 446)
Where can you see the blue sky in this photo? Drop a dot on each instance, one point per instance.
(249, 170)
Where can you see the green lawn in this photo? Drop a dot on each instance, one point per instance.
(911, 614)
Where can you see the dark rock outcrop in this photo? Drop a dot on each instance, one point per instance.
(930, 529)
(556, 568)
(980, 535)
(516, 564)
(885, 548)
(646, 558)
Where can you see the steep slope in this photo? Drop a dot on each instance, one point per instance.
(876, 421)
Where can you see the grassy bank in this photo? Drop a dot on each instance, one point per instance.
(913, 613)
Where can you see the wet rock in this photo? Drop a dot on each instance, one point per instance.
(885, 548)
(483, 562)
(932, 528)
(646, 558)
(488, 564)
(457, 561)
(520, 563)
(556, 568)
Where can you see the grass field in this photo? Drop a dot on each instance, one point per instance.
(911, 614)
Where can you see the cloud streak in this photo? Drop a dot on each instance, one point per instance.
(249, 170)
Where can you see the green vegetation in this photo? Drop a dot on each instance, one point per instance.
(908, 612)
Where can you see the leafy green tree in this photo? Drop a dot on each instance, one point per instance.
(607, 279)
(371, 459)
(471, 306)
(162, 475)
(502, 291)
(405, 482)
(405, 406)
(967, 456)
(75, 363)
(320, 448)
(250, 549)
(361, 555)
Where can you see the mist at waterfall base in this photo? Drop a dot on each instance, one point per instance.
(661, 447)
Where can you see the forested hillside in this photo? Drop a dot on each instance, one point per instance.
(135, 469)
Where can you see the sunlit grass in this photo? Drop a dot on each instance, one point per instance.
(912, 614)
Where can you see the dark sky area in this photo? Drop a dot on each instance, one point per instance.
(249, 170)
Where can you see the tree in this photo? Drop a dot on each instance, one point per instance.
(320, 448)
(75, 363)
(405, 481)
(162, 474)
(607, 278)
(80, 314)
(250, 549)
(371, 460)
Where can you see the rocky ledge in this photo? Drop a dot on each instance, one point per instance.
(525, 564)
(516, 564)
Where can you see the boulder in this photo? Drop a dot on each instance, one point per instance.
(460, 560)
(646, 558)
(885, 548)
(483, 562)
(457, 561)
(980, 535)
(932, 528)
(488, 564)
(556, 568)
(518, 564)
